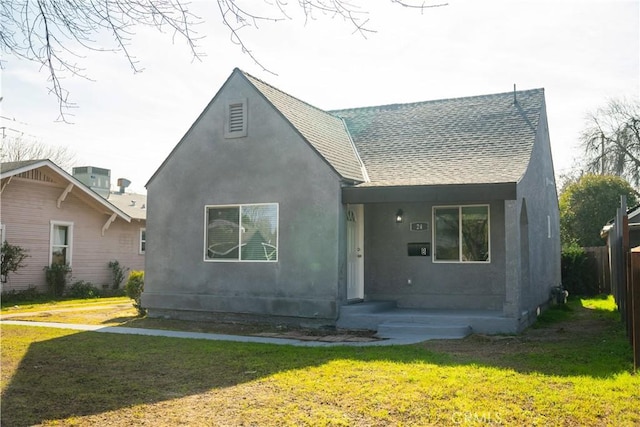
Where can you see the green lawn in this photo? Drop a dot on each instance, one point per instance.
(570, 371)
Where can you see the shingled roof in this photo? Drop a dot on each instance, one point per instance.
(325, 132)
(475, 140)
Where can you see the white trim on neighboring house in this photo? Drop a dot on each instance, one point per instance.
(3, 233)
(142, 242)
(71, 180)
(69, 245)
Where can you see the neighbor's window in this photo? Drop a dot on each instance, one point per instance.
(61, 239)
(143, 241)
(461, 233)
(241, 232)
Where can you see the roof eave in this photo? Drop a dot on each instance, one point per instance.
(441, 193)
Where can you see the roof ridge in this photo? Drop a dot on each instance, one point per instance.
(433, 101)
(283, 92)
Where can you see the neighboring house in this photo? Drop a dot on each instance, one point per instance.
(611, 258)
(58, 218)
(270, 208)
(633, 216)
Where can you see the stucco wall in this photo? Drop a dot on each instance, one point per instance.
(272, 164)
(27, 209)
(388, 268)
(538, 207)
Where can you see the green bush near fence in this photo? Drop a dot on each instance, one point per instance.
(579, 272)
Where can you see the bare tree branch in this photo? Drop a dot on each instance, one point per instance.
(611, 140)
(54, 33)
(20, 147)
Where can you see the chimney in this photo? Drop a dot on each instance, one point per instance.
(123, 183)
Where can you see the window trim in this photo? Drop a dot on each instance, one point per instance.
(228, 133)
(141, 251)
(239, 259)
(3, 233)
(460, 260)
(69, 245)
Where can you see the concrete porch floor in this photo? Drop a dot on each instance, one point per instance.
(389, 320)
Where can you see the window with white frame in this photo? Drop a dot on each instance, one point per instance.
(61, 242)
(241, 232)
(461, 233)
(143, 241)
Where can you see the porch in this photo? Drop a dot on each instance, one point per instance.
(390, 321)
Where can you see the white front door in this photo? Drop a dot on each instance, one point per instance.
(355, 252)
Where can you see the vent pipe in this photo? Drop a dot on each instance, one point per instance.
(123, 183)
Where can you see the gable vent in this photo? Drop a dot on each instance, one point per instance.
(236, 125)
(236, 119)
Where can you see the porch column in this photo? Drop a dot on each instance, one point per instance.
(511, 306)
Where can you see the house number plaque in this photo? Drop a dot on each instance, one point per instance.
(419, 226)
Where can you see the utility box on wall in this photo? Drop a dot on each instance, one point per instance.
(418, 249)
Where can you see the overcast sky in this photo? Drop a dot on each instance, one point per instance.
(582, 52)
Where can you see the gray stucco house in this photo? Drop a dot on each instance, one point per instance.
(270, 208)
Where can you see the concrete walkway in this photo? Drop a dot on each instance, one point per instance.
(398, 339)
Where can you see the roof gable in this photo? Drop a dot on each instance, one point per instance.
(474, 140)
(326, 133)
(486, 139)
(11, 169)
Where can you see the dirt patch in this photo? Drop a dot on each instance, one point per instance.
(581, 325)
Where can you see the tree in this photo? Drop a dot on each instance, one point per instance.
(588, 204)
(53, 33)
(611, 140)
(15, 149)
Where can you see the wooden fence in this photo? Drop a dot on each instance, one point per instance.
(625, 278)
(599, 256)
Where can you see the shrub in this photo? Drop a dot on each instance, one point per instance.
(579, 272)
(57, 276)
(108, 293)
(118, 272)
(30, 294)
(11, 259)
(82, 289)
(134, 288)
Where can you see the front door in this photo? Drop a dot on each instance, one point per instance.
(355, 252)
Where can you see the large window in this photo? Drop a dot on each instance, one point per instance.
(461, 233)
(241, 232)
(61, 239)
